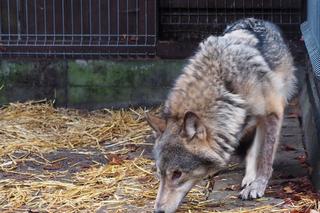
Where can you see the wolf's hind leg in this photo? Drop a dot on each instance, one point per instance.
(272, 126)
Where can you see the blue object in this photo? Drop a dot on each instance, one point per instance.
(311, 34)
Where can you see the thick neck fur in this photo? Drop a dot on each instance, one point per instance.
(201, 89)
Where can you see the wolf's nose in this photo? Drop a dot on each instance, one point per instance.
(159, 211)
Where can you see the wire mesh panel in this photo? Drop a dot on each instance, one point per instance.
(311, 35)
(182, 20)
(77, 28)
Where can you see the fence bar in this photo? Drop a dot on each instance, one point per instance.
(63, 22)
(145, 21)
(35, 20)
(0, 21)
(187, 20)
(81, 20)
(26, 20)
(8, 20)
(109, 22)
(127, 13)
(99, 22)
(125, 28)
(137, 20)
(90, 21)
(54, 20)
(72, 23)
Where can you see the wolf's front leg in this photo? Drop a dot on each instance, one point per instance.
(252, 157)
(272, 126)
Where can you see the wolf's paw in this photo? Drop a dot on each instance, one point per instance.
(254, 190)
(247, 180)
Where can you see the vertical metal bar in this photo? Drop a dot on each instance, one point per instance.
(234, 11)
(63, 26)
(244, 9)
(252, 8)
(8, 21)
(198, 12)
(18, 22)
(137, 21)
(45, 20)
(262, 10)
(26, 17)
(155, 23)
(35, 21)
(127, 13)
(72, 23)
(0, 25)
(170, 12)
(207, 6)
(109, 22)
(290, 12)
(81, 24)
(54, 21)
(281, 14)
(99, 22)
(63, 34)
(272, 14)
(90, 21)
(1, 52)
(146, 21)
(215, 5)
(180, 16)
(225, 12)
(118, 20)
(189, 16)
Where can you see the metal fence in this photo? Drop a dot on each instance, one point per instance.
(196, 19)
(77, 28)
(128, 28)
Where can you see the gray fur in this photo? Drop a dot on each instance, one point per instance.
(233, 82)
(270, 41)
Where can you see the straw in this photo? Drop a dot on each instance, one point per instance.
(29, 131)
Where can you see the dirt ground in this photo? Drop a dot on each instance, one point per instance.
(94, 162)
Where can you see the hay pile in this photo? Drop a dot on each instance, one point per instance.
(29, 131)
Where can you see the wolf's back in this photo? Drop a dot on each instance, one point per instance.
(271, 43)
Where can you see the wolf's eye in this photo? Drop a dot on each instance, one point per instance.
(176, 175)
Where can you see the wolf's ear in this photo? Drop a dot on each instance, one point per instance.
(156, 123)
(193, 126)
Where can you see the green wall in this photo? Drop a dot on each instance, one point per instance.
(88, 84)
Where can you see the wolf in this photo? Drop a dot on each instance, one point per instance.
(236, 84)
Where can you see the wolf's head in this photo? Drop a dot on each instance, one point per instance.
(183, 157)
